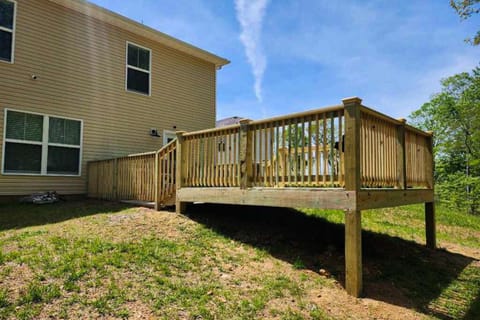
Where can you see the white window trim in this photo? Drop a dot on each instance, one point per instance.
(127, 66)
(12, 31)
(44, 143)
(168, 132)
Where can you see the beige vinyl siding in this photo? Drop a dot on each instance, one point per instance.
(80, 65)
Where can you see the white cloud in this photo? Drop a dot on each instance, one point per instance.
(250, 15)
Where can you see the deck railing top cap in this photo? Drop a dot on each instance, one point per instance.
(352, 100)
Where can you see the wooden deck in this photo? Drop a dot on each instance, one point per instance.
(346, 157)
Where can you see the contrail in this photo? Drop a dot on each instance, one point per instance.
(250, 15)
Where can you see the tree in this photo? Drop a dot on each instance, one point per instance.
(454, 116)
(465, 9)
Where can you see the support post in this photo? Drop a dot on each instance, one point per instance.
(401, 156)
(245, 154)
(180, 163)
(430, 232)
(353, 218)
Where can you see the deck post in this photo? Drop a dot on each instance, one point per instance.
(245, 154)
(401, 156)
(180, 162)
(156, 182)
(430, 230)
(353, 218)
(430, 233)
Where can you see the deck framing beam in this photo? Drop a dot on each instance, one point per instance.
(336, 199)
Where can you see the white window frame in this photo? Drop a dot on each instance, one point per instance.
(169, 133)
(127, 66)
(12, 31)
(44, 143)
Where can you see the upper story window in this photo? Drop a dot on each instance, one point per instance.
(38, 144)
(7, 26)
(138, 68)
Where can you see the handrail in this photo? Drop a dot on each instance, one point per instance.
(295, 115)
(387, 118)
(269, 120)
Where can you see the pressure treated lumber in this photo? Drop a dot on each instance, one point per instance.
(353, 253)
(430, 231)
(338, 199)
(353, 218)
(180, 206)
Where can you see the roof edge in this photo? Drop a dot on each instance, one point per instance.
(108, 16)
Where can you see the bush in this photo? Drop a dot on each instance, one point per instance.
(458, 191)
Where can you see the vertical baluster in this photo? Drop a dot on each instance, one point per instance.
(289, 159)
(296, 146)
(325, 152)
(272, 160)
(284, 153)
(301, 145)
(265, 155)
(332, 149)
(232, 175)
(224, 159)
(277, 160)
(317, 150)
(340, 148)
(236, 162)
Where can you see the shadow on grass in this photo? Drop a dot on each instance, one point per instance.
(474, 310)
(396, 271)
(19, 215)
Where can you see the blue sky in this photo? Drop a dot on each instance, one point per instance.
(293, 55)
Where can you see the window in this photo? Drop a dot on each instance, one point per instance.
(41, 145)
(7, 25)
(138, 69)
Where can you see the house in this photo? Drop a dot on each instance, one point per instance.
(81, 83)
(228, 121)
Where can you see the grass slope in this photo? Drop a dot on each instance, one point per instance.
(103, 260)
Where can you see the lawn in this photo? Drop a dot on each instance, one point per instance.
(96, 259)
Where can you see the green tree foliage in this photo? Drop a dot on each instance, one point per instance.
(454, 116)
(465, 9)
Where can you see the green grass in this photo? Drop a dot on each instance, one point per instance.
(97, 259)
(444, 285)
(408, 223)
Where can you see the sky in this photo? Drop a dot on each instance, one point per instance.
(295, 55)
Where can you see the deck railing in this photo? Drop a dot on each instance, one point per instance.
(393, 154)
(148, 177)
(347, 146)
(303, 149)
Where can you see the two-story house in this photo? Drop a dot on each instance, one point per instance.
(80, 83)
